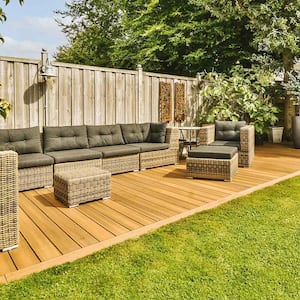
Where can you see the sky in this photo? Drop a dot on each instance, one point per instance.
(31, 27)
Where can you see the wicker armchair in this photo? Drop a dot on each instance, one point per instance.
(9, 225)
(230, 133)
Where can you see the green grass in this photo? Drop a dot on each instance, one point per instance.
(246, 249)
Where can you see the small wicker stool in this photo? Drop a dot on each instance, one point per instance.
(212, 162)
(82, 185)
(9, 219)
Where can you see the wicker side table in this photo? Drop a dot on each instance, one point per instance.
(82, 185)
(211, 162)
(9, 219)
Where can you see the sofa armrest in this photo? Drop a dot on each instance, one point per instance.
(247, 138)
(172, 138)
(207, 134)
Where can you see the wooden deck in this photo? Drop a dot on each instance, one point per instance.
(51, 234)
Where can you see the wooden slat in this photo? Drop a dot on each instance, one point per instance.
(102, 219)
(23, 256)
(89, 97)
(55, 234)
(73, 230)
(77, 97)
(65, 96)
(120, 98)
(82, 220)
(6, 263)
(40, 244)
(142, 219)
(110, 105)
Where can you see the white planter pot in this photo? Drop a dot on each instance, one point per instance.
(276, 135)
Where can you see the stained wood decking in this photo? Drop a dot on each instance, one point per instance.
(51, 234)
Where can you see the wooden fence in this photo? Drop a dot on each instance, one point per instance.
(86, 95)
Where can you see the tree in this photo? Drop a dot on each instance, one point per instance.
(275, 26)
(3, 15)
(94, 26)
(171, 36)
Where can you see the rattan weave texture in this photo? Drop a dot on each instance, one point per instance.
(247, 142)
(210, 168)
(120, 164)
(69, 166)
(162, 157)
(35, 177)
(9, 219)
(80, 186)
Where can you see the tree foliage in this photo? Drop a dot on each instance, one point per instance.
(241, 95)
(275, 26)
(3, 15)
(172, 36)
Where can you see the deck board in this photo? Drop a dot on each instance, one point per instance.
(51, 234)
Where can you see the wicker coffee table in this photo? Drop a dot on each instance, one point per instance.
(82, 185)
(212, 162)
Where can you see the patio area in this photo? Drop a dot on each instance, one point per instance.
(51, 234)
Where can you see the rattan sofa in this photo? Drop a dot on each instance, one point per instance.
(117, 148)
(231, 133)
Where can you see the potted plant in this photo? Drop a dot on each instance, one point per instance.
(293, 88)
(5, 108)
(239, 96)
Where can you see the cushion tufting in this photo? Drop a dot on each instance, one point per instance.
(23, 140)
(157, 132)
(135, 133)
(65, 138)
(104, 135)
(228, 130)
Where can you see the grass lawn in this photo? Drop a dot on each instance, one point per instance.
(246, 249)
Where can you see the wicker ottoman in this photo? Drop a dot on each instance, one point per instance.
(82, 185)
(211, 162)
(9, 219)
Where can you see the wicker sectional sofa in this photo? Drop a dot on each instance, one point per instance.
(117, 148)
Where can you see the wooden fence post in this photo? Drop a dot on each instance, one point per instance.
(140, 93)
(198, 83)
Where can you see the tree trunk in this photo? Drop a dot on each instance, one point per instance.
(288, 64)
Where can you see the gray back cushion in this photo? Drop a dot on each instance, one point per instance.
(157, 132)
(228, 130)
(65, 138)
(104, 135)
(23, 140)
(135, 133)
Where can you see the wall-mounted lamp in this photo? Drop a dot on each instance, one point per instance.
(47, 70)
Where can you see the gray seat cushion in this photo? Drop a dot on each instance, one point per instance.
(104, 135)
(117, 150)
(74, 155)
(226, 143)
(135, 133)
(65, 138)
(146, 147)
(34, 160)
(222, 152)
(23, 140)
(228, 130)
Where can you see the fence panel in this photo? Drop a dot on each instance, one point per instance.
(85, 95)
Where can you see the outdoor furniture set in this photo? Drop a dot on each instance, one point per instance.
(78, 160)
(116, 148)
(224, 146)
(30, 159)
